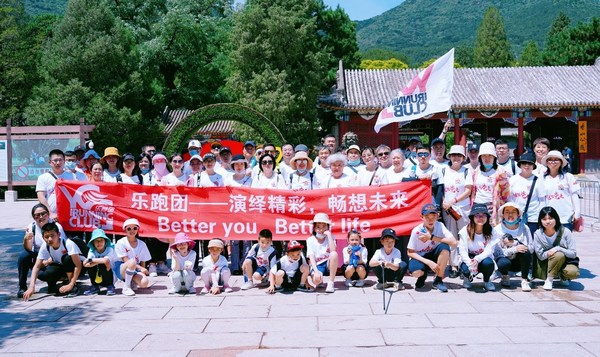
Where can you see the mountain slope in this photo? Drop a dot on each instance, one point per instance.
(39, 7)
(423, 29)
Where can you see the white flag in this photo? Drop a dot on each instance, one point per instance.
(429, 92)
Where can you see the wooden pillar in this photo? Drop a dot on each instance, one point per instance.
(582, 146)
(457, 131)
(521, 141)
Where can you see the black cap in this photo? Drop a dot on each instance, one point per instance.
(225, 149)
(388, 232)
(128, 156)
(437, 140)
(479, 208)
(472, 146)
(79, 148)
(414, 139)
(527, 157)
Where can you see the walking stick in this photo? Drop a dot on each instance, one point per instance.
(383, 291)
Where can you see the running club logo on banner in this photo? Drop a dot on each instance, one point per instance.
(239, 213)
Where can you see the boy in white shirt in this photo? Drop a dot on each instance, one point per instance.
(290, 272)
(387, 262)
(429, 248)
(259, 260)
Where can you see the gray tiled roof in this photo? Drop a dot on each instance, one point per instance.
(477, 88)
(173, 117)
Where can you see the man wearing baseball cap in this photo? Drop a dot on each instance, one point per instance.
(429, 248)
(438, 153)
(194, 148)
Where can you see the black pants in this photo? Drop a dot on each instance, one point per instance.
(24, 265)
(520, 263)
(56, 272)
(389, 275)
(157, 248)
(106, 275)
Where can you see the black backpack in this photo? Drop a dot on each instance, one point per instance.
(83, 248)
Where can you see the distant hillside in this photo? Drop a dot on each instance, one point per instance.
(39, 7)
(423, 29)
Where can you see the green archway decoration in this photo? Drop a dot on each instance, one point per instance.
(222, 111)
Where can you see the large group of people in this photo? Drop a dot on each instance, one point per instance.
(490, 216)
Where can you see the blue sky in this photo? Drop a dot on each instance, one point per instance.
(363, 9)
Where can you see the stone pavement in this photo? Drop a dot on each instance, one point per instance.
(349, 322)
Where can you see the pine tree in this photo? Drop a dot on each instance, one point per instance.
(531, 56)
(492, 48)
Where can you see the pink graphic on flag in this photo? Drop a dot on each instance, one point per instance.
(427, 93)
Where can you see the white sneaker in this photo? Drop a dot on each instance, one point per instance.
(152, 270)
(348, 282)
(564, 283)
(497, 275)
(360, 283)
(525, 285)
(548, 284)
(467, 283)
(505, 281)
(247, 285)
(172, 291)
(489, 286)
(192, 290)
(204, 290)
(228, 289)
(128, 292)
(162, 268)
(329, 288)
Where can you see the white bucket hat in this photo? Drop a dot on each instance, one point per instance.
(456, 149)
(510, 204)
(556, 154)
(321, 218)
(487, 148)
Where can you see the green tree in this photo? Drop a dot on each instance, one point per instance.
(492, 48)
(89, 70)
(338, 35)
(392, 63)
(561, 22)
(464, 55)
(574, 46)
(531, 56)
(384, 54)
(278, 64)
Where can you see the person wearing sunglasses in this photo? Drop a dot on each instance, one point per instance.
(133, 255)
(267, 177)
(32, 241)
(383, 156)
(177, 177)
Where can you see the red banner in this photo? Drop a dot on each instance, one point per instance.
(239, 213)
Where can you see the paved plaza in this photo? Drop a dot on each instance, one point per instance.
(563, 322)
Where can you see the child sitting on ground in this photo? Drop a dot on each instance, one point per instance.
(133, 255)
(183, 258)
(290, 272)
(99, 263)
(387, 262)
(215, 271)
(355, 260)
(259, 260)
(321, 252)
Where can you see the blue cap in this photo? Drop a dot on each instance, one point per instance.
(250, 142)
(91, 153)
(437, 140)
(429, 208)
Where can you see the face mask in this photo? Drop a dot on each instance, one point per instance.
(301, 172)
(511, 223)
(193, 152)
(320, 235)
(145, 171)
(487, 167)
(354, 163)
(70, 165)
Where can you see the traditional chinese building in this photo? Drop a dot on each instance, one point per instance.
(561, 103)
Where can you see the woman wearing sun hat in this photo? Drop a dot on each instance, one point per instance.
(562, 189)
(302, 178)
(110, 161)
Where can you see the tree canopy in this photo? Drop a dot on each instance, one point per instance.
(492, 48)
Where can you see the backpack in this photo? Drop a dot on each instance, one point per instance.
(311, 179)
(83, 248)
(271, 256)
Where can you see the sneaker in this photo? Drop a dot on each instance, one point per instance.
(192, 290)
(467, 283)
(453, 273)
(204, 290)
(172, 291)
(329, 288)
(378, 286)
(548, 284)
(564, 283)
(398, 286)
(440, 286)
(303, 288)
(505, 281)
(348, 282)
(227, 288)
(489, 286)
(421, 281)
(389, 284)
(278, 288)
(247, 285)
(497, 275)
(359, 283)
(74, 292)
(52, 289)
(20, 293)
(127, 291)
(91, 291)
(525, 285)
(152, 270)
(110, 290)
(162, 268)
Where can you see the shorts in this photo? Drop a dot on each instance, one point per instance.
(355, 275)
(261, 270)
(293, 282)
(116, 267)
(323, 268)
(433, 255)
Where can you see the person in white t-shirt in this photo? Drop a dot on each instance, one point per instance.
(133, 255)
(429, 248)
(46, 182)
(476, 247)
(259, 260)
(56, 259)
(562, 189)
(321, 252)
(267, 177)
(290, 272)
(215, 272)
(387, 262)
(209, 177)
(111, 162)
(521, 190)
(397, 172)
(183, 259)
(301, 177)
(354, 164)
(337, 177)
(284, 167)
(177, 177)
(355, 260)
(321, 170)
(71, 166)
(371, 174)
(503, 154)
